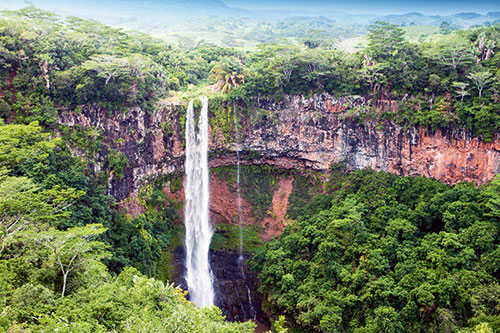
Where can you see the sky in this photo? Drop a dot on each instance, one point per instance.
(429, 7)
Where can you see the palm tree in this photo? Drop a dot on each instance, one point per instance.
(227, 74)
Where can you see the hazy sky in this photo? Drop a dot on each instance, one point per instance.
(442, 7)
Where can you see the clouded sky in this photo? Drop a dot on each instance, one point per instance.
(437, 7)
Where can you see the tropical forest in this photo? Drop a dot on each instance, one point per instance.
(249, 166)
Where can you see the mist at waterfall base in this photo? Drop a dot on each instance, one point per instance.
(196, 211)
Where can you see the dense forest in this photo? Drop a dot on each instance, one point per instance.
(49, 63)
(374, 252)
(382, 253)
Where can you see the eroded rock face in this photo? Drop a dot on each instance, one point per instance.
(295, 133)
(274, 224)
(224, 204)
(235, 285)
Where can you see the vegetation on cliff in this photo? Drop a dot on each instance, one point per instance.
(55, 232)
(48, 63)
(382, 253)
(376, 253)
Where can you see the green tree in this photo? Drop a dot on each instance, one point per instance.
(492, 194)
(384, 40)
(452, 51)
(481, 80)
(24, 145)
(461, 89)
(374, 75)
(24, 205)
(72, 248)
(227, 74)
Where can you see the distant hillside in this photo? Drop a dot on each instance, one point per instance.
(213, 21)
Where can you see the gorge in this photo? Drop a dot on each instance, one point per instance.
(296, 133)
(337, 177)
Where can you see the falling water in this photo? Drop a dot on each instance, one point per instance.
(238, 193)
(196, 215)
(241, 257)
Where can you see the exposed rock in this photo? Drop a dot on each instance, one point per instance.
(299, 133)
(132, 206)
(236, 289)
(274, 224)
(224, 204)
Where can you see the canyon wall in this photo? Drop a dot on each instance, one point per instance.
(294, 133)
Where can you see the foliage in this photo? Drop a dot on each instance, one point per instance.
(24, 147)
(74, 62)
(130, 302)
(23, 205)
(385, 40)
(227, 238)
(117, 162)
(388, 254)
(71, 249)
(227, 74)
(304, 189)
(222, 118)
(51, 274)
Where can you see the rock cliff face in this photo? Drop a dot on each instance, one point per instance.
(224, 207)
(296, 133)
(235, 286)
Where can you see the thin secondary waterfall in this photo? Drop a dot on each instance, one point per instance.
(238, 192)
(253, 313)
(240, 225)
(196, 214)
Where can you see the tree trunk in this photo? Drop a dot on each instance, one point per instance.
(65, 276)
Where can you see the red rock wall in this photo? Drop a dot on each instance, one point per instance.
(310, 133)
(224, 206)
(295, 133)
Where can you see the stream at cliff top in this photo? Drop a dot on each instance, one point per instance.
(196, 211)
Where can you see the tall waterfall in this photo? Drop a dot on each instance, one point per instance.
(196, 215)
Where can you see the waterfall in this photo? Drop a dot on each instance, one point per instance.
(241, 257)
(238, 200)
(238, 192)
(196, 215)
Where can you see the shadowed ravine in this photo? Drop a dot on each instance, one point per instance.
(233, 284)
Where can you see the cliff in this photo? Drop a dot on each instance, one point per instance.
(296, 133)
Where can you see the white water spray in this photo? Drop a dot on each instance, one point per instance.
(196, 214)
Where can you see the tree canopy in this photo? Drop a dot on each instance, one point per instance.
(389, 254)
